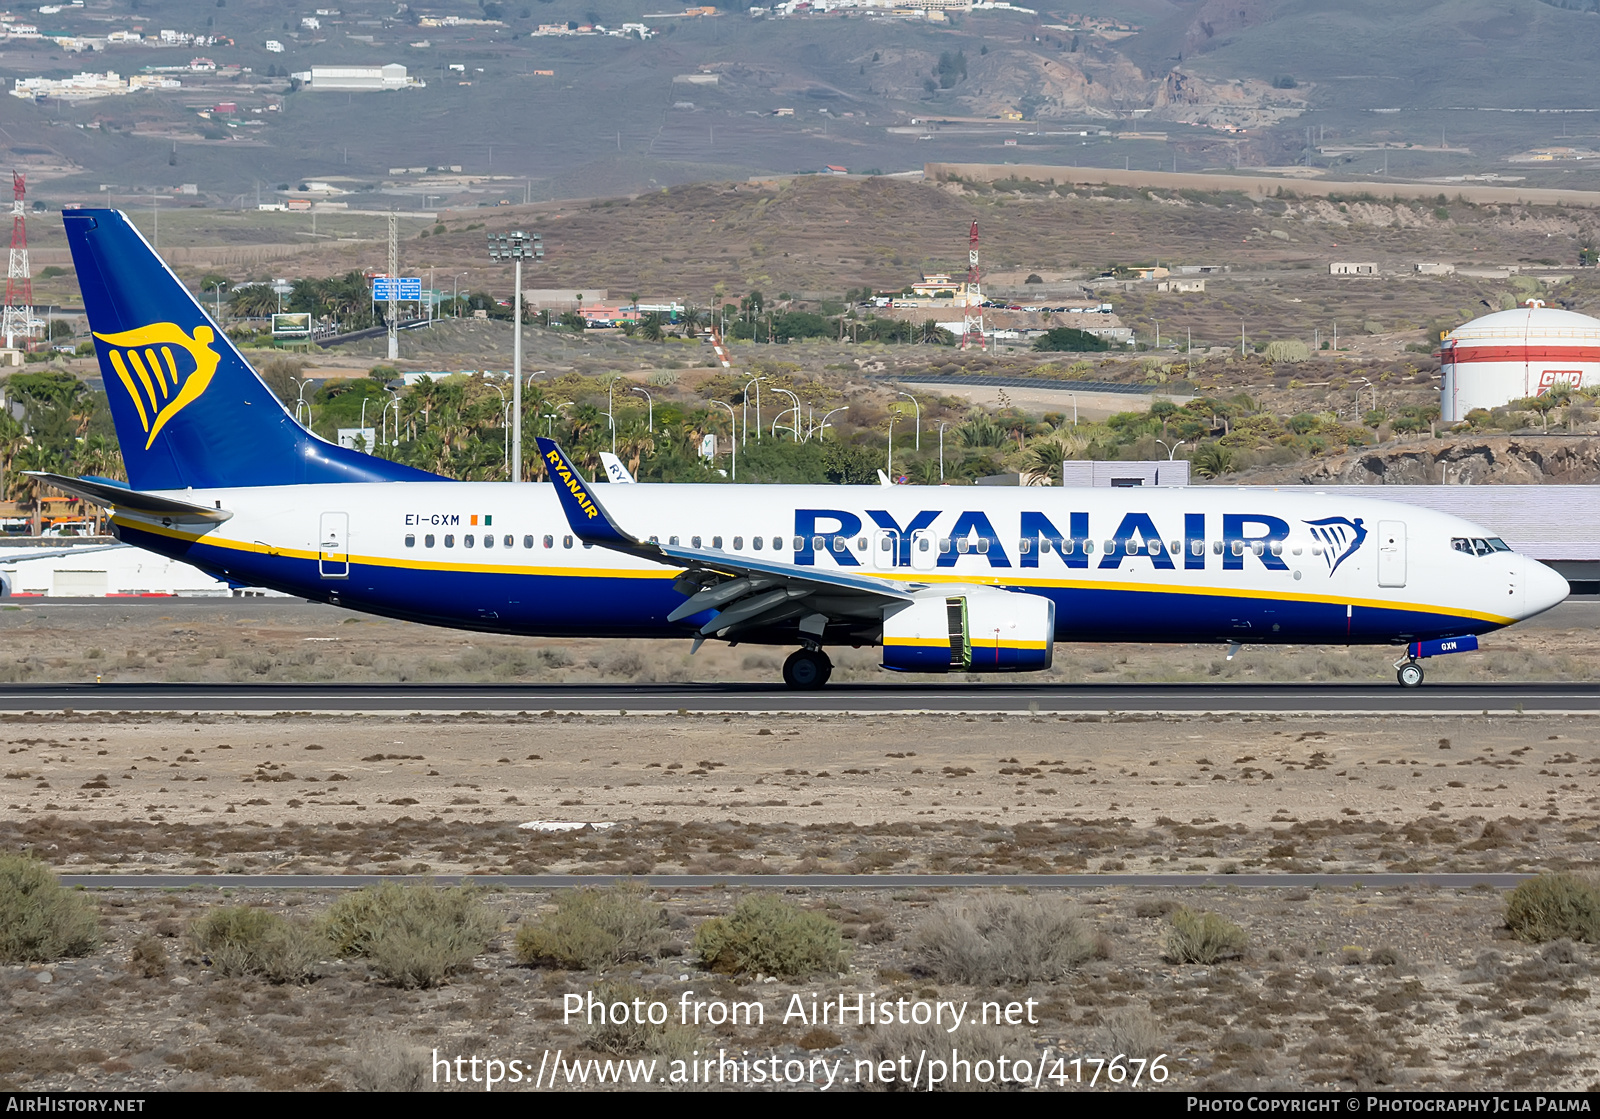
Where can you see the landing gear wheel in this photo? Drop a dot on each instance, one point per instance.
(807, 669)
(1409, 675)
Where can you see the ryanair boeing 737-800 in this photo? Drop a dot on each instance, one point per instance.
(940, 579)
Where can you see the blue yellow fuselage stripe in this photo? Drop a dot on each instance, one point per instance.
(581, 601)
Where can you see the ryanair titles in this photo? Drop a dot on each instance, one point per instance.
(917, 543)
(569, 478)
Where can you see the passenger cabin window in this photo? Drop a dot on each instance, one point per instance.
(411, 541)
(427, 541)
(716, 542)
(757, 541)
(777, 543)
(672, 541)
(488, 541)
(549, 541)
(566, 541)
(527, 542)
(694, 541)
(738, 543)
(467, 540)
(449, 541)
(1024, 545)
(509, 541)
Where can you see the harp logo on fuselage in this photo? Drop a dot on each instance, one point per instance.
(163, 370)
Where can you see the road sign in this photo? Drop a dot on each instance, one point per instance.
(410, 288)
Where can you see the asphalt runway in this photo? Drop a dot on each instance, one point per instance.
(792, 881)
(844, 699)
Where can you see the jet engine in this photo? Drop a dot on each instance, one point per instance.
(970, 629)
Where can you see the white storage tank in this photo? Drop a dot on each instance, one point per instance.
(1510, 355)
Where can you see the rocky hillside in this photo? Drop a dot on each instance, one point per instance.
(1519, 460)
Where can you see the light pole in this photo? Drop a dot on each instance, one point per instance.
(517, 247)
(745, 408)
(942, 425)
(1374, 389)
(1172, 450)
(733, 439)
(218, 287)
(455, 295)
(890, 470)
(611, 419)
(823, 426)
(650, 404)
(300, 402)
(550, 430)
(779, 416)
(918, 407)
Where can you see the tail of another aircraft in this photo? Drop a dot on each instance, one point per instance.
(188, 408)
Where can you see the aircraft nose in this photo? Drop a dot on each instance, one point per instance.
(1543, 588)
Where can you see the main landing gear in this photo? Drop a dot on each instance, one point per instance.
(1409, 673)
(807, 669)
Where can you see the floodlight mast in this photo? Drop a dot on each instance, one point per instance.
(516, 247)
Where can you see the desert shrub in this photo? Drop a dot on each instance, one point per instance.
(244, 940)
(1552, 906)
(626, 1036)
(975, 1042)
(41, 920)
(414, 936)
(149, 957)
(390, 1066)
(1001, 939)
(1133, 1031)
(766, 934)
(595, 928)
(1203, 938)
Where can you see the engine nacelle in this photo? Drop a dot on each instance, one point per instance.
(970, 629)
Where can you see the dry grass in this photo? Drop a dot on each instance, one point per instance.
(626, 1036)
(1203, 938)
(994, 939)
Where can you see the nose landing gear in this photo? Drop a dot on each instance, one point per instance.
(1409, 674)
(807, 669)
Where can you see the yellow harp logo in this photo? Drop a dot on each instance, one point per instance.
(158, 383)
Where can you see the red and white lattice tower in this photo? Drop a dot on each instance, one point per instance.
(18, 318)
(973, 334)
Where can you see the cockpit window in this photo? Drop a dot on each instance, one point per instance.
(1478, 546)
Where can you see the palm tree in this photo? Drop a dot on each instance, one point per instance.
(691, 319)
(652, 327)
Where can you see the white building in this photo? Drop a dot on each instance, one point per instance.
(102, 571)
(358, 79)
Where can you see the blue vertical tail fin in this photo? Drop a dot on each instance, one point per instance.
(189, 410)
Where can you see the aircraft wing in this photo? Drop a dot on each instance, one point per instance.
(747, 592)
(113, 496)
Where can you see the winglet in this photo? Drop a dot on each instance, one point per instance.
(590, 523)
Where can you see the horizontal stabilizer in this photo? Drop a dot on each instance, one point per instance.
(116, 497)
